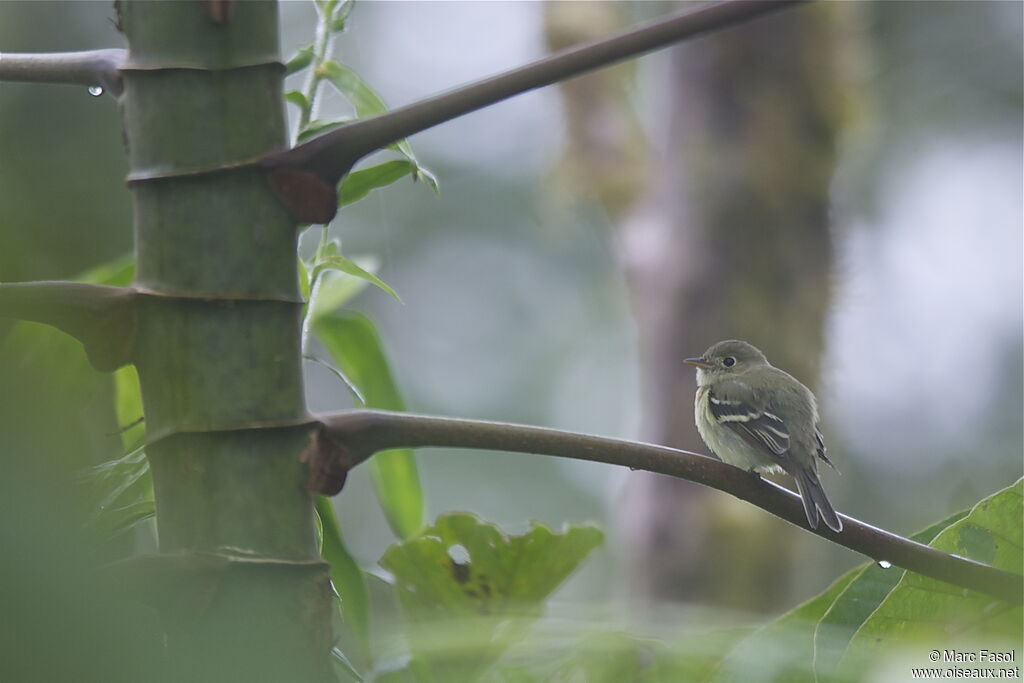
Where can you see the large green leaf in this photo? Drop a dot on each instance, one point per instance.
(783, 649)
(346, 575)
(858, 600)
(468, 591)
(925, 614)
(354, 344)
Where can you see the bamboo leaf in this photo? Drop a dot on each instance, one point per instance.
(302, 58)
(346, 576)
(363, 98)
(358, 184)
(368, 103)
(335, 290)
(298, 99)
(317, 126)
(337, 373)
(355, 346)
(345, 265)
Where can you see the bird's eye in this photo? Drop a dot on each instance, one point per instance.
(728, 361)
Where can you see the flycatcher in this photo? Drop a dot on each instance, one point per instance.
(754, 416)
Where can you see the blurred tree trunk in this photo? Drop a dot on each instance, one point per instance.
(729, 238)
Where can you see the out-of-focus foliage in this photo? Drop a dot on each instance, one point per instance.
(541, 335)
(468, 591)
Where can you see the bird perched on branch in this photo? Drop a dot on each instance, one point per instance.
(759, 418)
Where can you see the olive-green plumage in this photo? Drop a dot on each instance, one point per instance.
(755, 416)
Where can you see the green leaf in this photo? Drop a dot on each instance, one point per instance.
(334, 289)
(358, 184)
(116, 273)
(304, 280)
(365, 101)
(128, 406)
(468, 591)
(368, 103)
(340, 18)
(317, 126)
(346, 576)
(337, 373)
(858, 600)
(922, 610)
(782, 650)
(345, 665)
(356, 348)
(298, 99)
(299, 61)
(119, 520)
(345, 265)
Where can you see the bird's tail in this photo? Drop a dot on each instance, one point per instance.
(815, 501)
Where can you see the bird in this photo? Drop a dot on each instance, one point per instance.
(754, 416)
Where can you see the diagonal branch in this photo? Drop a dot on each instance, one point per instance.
(90, 68)
(306, 176)
(350, 438)
(102, 318)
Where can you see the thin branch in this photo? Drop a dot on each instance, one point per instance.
(356, 435)
(89, 68)
(102, 318)
(324, 160)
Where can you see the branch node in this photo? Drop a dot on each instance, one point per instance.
(328, 462)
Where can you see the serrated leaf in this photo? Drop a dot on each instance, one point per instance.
(467, 590)
(298, 99)
(302, 58)
(925, 610)
(356, 348)
(345, 265)
(358, 184)
(346, 576)
(858, 600)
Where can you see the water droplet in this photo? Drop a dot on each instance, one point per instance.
(884, 564)
(95, 90)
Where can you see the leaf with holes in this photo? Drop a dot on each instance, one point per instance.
(468, 591)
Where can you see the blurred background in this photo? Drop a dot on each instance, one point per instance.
(840, 184)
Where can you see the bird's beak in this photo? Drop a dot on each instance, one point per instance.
(697, 362)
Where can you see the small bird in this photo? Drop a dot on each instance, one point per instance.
(754, 416)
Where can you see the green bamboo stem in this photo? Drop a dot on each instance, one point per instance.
(218, 340)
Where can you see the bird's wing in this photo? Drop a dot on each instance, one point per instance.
(822, 451)
(733, 404)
